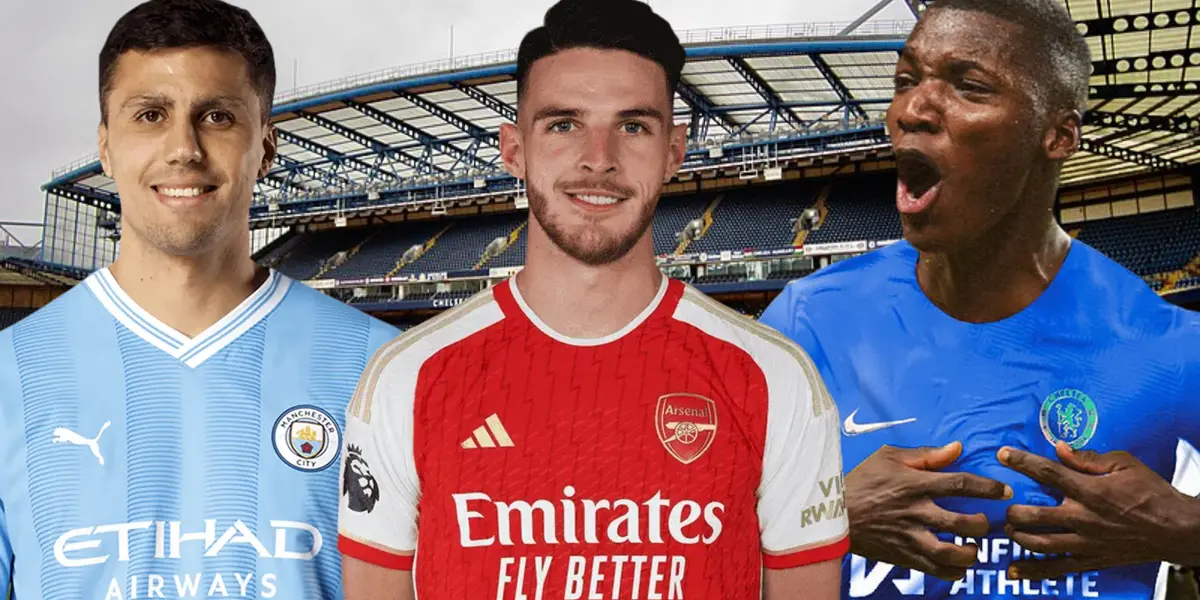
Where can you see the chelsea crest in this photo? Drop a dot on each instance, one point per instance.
(1069, 415)
(307, 438)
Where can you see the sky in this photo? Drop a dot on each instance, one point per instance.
(50, 48)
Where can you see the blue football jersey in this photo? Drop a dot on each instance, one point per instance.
(1098, 360)
(139, 463)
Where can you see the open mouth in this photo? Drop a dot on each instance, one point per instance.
(918, 181)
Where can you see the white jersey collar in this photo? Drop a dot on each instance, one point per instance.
(194, 351)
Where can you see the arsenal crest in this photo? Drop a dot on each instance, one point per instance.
(686, 425)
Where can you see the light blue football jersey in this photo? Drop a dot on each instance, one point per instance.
(1098, 360)
(139, 463)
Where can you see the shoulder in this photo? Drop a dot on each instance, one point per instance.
(838, 295)
(865, 275)
(781, 361)
(397, 363)
(331, 309)
(1106, 289)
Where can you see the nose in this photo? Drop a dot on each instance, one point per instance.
(599, 154)
(182, 143)
(916, 110)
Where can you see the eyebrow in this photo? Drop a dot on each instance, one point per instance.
(552, 112)
(645, 112)
(204, 103)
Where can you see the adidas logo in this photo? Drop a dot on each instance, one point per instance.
(480, 438)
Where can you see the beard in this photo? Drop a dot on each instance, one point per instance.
(590, 243)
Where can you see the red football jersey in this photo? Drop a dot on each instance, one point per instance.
(675, 458)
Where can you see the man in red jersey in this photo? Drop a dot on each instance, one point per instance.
(590, 428)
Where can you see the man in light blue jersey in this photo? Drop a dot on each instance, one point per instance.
(989, 335)
(172, 426)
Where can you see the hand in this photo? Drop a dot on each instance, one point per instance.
(1115, 512)
(889, 501)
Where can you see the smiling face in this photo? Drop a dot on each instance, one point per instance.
(185, 140)
(969, 126)
(595, 142)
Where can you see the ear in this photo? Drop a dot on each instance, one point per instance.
(1063, 136)
(270, 146)
(678, 150)
(512, 151)
(102, 144)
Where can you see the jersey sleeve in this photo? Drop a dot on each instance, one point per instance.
(379, 490)
(801, 508)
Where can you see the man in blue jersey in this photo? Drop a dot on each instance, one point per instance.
(172, 426)
(1007, 392)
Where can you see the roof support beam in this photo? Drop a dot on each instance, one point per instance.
(765, 91)
(1135, 91)
(376, 146)
(703, 112)
(458, 122)
(425, 138)
(1153, 61)
(1150, 21)
(501, 108)
(871, 12)
(836, 83)
(294, 167)
(1144, 159)
(335, 156)
(1176, 124)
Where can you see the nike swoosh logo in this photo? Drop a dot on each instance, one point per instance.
(849, 427)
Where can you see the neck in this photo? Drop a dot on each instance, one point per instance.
(584, 301)
(186, 293)
(998, 275)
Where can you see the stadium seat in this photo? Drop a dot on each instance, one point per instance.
(384, 247)
(1147, 243)
(460, 248)
(10, 316)
(860, 209)
(756, 218)
(307, 258)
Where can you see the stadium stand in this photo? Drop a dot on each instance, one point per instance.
(756, 218)
(463, 245)
(10, 316)
(759, 217)
(1146, 244)
(860, 209)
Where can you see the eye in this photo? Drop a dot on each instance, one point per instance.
(904, 81)
(561, 126)
(218, 117)
(635, 128)
(973, 87)
(152, 115)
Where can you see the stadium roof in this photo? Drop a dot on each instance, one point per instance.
(418, 131)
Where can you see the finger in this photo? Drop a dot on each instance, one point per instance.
(1041, 469)
(1050, 543)
(1022, 516)
(1088, 461)
(968, 485)
(945, 554)
(929, 459)
(1053, 568)
(968, 526)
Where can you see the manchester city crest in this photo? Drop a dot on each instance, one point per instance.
(307, 438)
(1069, 415)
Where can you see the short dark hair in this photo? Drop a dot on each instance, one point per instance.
(172, 24)
(605, 24)
(1051, 34)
